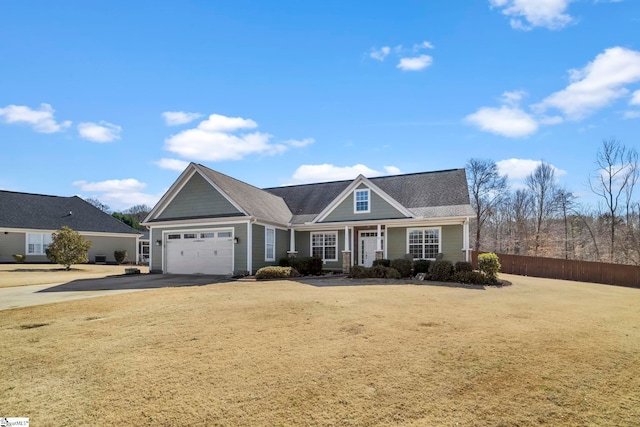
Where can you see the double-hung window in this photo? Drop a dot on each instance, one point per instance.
(37, 243)
(325, 245)
(424, 243)
(269, 244)
(361, 201)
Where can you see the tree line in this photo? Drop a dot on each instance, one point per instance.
(546, 219)
(132, 216)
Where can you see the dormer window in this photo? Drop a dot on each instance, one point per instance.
(361, 201)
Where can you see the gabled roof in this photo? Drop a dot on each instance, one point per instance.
(252, 200)
(426, 194)
(42, 212)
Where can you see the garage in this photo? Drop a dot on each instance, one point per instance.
(199, 252)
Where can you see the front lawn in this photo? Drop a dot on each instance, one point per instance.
(41, 274)
(539, 352)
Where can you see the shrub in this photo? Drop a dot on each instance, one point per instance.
(358, 272)
(308, 266)
(463, 266)
(68, 247)
(489, 264)
(284, 262)
(403, 266)
(392, 273)
(377, 272)
(383, 262)
(441, 271)
(421, 266)
(20, 258)
(276, 273)
(474, 277)
(120, 256)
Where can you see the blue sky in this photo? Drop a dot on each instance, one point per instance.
(112, 99)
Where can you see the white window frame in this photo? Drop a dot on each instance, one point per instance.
(355, 200)
(44, 242)
(423, 229)
(267, 244)
(324, 234)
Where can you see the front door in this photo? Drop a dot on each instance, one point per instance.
(368, 244)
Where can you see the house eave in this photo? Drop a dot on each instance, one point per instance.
(398, 222)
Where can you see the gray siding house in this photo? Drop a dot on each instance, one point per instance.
(28, 220)
(211, 223)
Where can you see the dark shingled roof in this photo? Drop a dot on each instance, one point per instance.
(41, 212)
(415, 191)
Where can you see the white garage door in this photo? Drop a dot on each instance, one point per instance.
(199, 252)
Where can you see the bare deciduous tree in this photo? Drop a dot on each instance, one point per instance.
(542, 186)
(487, 188)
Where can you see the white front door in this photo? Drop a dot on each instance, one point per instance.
(368, 245)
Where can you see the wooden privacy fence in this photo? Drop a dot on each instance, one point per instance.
(567, 269)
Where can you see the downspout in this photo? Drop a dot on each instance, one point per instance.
(250, 244)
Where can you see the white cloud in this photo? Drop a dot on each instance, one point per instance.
(509, 121)
(99, 132)
(527, 14)
(214, 140)
(381, 53)
(635, 98)
(328, 172)
(631, 115)
(596, 85)
(119, 194)
(172, 164)
(513, 98)
(519, 169)
(300, 142)
(424, 45)
(174, 118)
(129, 184)
(416, 63)
(41, 119)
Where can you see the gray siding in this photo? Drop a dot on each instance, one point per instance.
(451, 236)
(198, 198)
(12, 243)
(303, 246)
(380, 209)
(282, 246)
(239, 251)
(15, 243)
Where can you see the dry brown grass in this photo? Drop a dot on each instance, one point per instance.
(41, 274)
(539, 352)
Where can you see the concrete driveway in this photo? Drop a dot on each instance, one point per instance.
(24, 296)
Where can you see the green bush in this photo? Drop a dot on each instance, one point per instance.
(383, 262)
(284, 262)
(404, 266)
(489, 264)
(474, 277)
(308, 266)
(68, 247)
(463, 266)
(421, 266)
(276, 273)
(441, 271)
(20, 258)
(120, 256)
(358, 272)
(378, 272)
(392, 273)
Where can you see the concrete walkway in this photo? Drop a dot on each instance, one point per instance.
(25, 296)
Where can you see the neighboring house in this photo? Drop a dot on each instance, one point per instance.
(143, 248)
(28, 220)
(208, 222)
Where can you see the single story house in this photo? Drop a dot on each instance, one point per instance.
(211, 223)
(28, 220)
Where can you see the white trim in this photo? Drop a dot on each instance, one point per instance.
(266, 229)
(409, 230)
(82, 233)
(250, 246)
(380, 236)
(355, 200)
(292, 240)
(201, 222)
(324, 246)
(347, 191)
(400, 222)
(192, 230)
(272, 225)
(41, 243)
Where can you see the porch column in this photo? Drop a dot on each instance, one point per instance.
(465, 240)
(292, 244)
(379, 253)
(346, 253)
